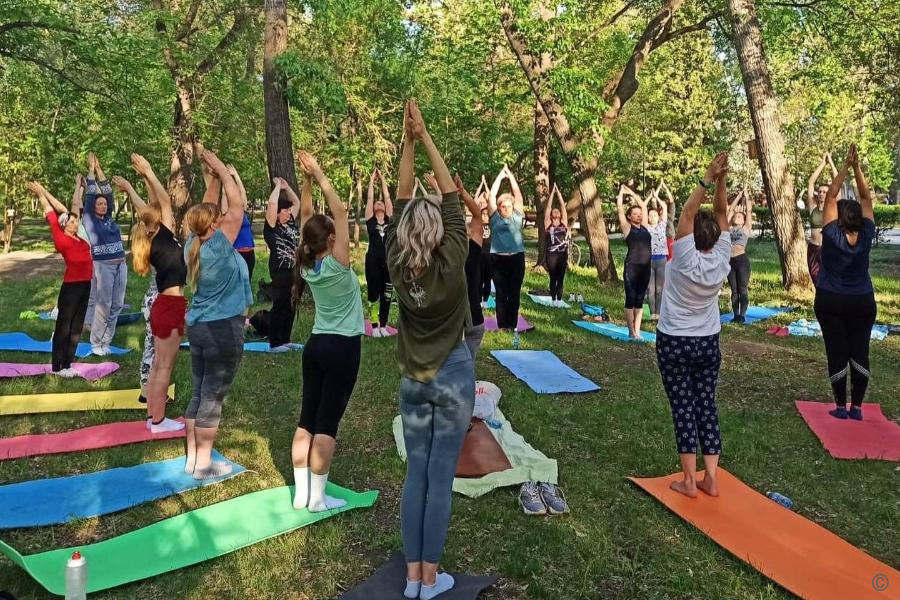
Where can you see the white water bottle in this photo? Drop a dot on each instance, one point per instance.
(76, 577)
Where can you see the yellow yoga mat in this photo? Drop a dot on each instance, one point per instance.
(27, 404)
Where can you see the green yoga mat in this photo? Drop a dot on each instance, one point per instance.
(183, 540)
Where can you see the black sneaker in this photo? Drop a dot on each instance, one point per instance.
(856, 413)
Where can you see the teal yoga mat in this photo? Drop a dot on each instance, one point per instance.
(616, 332)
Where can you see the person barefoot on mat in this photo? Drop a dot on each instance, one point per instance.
(637, 260)
(378, 281)
(427, 248)
(221, 284)
(507, 251)
(557, 233)
(332, 353)
(687, 336)
(73, 296)
(740, 216)
(845, 299)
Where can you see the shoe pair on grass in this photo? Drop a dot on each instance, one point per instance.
(538, 498)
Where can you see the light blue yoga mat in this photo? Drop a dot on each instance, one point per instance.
(547, 301)
(491, 303)
(123, 318)
(22, 342)
(757, 313)
(256, 347)
(543, 371)
(52, 501)
(616, 332)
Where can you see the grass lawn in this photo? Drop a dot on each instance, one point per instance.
(617, 543)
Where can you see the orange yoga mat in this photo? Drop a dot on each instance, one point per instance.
(789, 549)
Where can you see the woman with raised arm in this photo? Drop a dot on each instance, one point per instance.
(687, 336)
(740, 217)
(282, 235)
(657, 223)
(815, 203)
(557, 232)
(485, 265)
(427, 248)
(73, 296)
(670, 214)
(378, 281)
(507, 250)
(244, 243)
(475, 333)
(220, 282)
(154, 244)
(636, 274)
(331, 356)
(845, 299)
(110, 270)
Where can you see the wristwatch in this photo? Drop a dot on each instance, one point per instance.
(705, 183)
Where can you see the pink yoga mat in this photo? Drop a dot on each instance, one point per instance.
(490, 324)
(368, 325)
(89, 438)
(90, 371)
(874, 437)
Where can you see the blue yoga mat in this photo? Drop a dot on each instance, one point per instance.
(592, 310)
(256, 347)
(757, 313)
(616, 332)
(543, 371)
(52, 501)
(491, 303)
(123, 319)
(22, 342)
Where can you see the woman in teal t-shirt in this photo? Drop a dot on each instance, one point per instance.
(507, 250)
(331, 355)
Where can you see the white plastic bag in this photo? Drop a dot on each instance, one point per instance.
(487, 399)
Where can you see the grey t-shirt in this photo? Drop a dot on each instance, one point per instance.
(690, 301)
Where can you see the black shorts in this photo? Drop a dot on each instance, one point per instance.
(637, 279)
(330, 367)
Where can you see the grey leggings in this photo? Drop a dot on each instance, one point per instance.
(657, 281)
(107, 298)
(216, 350)
(436, 416)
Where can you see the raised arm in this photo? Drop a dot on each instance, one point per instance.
(155, 189)
(438, 167)
(865, 194)
(341, 250)
(720, 200)
(213, 184)
(432, 183)
(733, 205)
(830, 212)
(692, 206)
(663, 207)
(125, 186)
(98, 170)
(518, 200)
(495, 190)
(811, 185)
(748, 215)
(272, 204)
(386, 196)
(234, 218)
(624, 225)
(476, 231)
(306, 200)
(77, 205)
(370, 198)
(548, 207)
(240, 183)
(406, 178)
(292, 196)
(564, 216)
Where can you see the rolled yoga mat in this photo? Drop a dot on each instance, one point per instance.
(543, 371)
(87, 438)
(874, 437)
(183, 540)
(616, 332)
(16, 341)
(801, 556)
(89, 371)
(757, 313)
(43, 502)
(27, 404)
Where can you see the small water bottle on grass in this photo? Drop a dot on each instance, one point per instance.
(76, 577)
(780, 499)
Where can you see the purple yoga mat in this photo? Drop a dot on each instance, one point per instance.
(89, 371)
(490, 324)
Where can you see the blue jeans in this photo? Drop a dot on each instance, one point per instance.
(436, 416)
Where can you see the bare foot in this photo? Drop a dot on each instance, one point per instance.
(709, 487)
(689, 489)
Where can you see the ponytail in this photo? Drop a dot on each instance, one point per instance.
(141, 239)
(193, 264)
(199, 219)
(313, 241)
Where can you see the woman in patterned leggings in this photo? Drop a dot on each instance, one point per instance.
(687, 341)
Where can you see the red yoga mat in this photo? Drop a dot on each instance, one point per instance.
(874, 437)
(368, 329)
(89, 438)
(796, 553)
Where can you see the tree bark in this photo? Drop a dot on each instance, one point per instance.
(279, 143)
(181, 173)
(778, 183)
(541, 175)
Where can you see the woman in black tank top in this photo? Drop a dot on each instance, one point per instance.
(637, 261)
(378, 281)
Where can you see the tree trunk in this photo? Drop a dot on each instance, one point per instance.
(541, 175)
(181, 172)
(895, 186)
(279, 144)
(778, 183)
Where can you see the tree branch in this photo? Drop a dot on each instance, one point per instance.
(61, 73)
(611, 21)
(698, 26)
(34, 25)
(210, 62)
(187, 25)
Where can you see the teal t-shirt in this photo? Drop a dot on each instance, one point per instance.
(506, 234)
(335, 290)
(223, 286)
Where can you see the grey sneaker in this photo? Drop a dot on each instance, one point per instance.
(530, 499)
(553, 499)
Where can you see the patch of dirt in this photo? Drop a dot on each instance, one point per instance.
(25, 263)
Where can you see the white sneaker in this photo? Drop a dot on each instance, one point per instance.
(483, 304)
(376, 332)
(580, 298)
(281, 348)
(68, 373)
(98, 351)
(385, 332)
(571, 297)
(166, 426)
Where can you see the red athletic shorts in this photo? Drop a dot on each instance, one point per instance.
(670, 243)
(166, 314)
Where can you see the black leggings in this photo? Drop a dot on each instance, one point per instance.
(509, 273)
(739, 281)
(72, 304)
(484, 269)
(637, 280)
(379, 287)
(330, 367)
(281, 317)
(846, 322)
(557, 263)
(249, 257)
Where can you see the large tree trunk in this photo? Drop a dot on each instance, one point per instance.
(895, 186)
(279, 144)
(777, 180)
(541, 175)
(181, 172)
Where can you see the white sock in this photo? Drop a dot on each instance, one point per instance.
(412, 589)
(442, 583)
(301, 487)
(318, 501)
(165, 426)
(189, 463)
(149, 420)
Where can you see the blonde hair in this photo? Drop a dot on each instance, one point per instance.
(199, 219)
(141, 238)
(419, 232)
